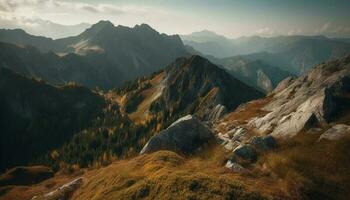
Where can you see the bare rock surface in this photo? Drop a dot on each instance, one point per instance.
(62, 193)
(312, 99)
(337, 132)
(232, 165)
(185, 136)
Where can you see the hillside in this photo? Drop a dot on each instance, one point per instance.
(91, 71)
(36, 117)
(20, 37)
(264, 149)
(308, 116)
(187, 86)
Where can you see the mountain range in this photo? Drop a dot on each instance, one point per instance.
(128, 113)
(296, 54)
(268, 141)
(122, 52)
(115, 54)
(188, 86)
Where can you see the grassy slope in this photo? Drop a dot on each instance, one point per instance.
(311, 169)
(167, 175)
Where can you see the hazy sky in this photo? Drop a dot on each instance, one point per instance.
(232, 18)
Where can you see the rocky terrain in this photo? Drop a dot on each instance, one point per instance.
(312, 100)
(261, 149)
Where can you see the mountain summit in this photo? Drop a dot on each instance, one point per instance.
(191, 85)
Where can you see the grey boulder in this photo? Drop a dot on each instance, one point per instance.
(337, 132)
(185, 135)
(264, 143)
(246, 152)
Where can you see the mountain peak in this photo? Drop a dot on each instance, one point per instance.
(144, 27)
(104, 23)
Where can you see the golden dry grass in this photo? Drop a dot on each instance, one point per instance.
(27, 192)
(248, 111)
(167, 175)
(149, 95)
(311, 169)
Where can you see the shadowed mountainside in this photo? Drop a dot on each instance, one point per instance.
(36, 117)
(103, 50)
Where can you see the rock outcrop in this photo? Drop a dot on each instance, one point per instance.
(337, 132)
(62, 193)
(185, 135)
(246, 152)
(312, 99)
(234, 166)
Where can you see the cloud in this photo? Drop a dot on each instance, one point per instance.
(69, 12)
(12, 5)
(64, 11)
(333, 30)
(37, 26)
(265, 31)
(38, 7)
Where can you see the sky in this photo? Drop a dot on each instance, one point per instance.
(231, 18)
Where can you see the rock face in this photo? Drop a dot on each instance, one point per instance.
(312, 99)
(217, 112)
(185, 136)
(62, 193)
(337, 132)
(195, 85)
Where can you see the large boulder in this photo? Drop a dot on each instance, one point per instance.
(263, 143)
(184, 136)
(337, 132)
(246, 152)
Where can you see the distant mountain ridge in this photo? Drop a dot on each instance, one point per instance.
(122, 52)
(296, 54)
(254, 72)
(92, 71)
